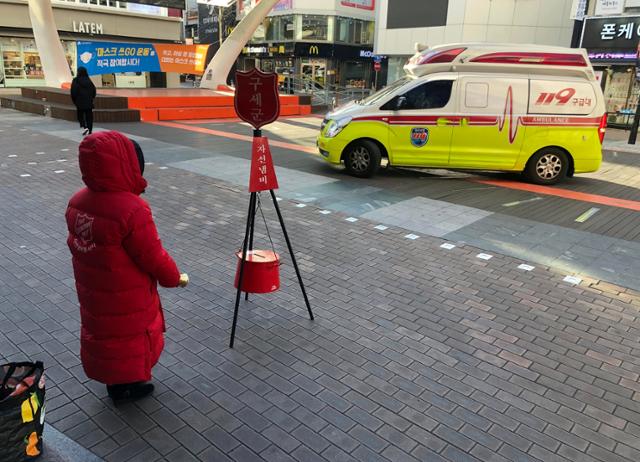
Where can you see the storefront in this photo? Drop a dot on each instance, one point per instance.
(20, 65)
(326, 64)
(612, 44)
(330, 51)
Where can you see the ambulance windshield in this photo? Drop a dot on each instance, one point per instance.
(382, 94)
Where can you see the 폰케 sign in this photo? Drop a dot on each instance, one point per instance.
(615, 33)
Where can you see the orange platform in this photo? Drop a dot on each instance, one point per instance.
(157, 104)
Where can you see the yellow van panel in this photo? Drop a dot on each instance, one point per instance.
(582, 144)
(579, 138)
(332, 148)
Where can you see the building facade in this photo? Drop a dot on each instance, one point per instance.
(611, 35)
(329, 42)
(93, 20)
(400, 24)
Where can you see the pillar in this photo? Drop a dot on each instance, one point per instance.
(54, 63)
(221, 64)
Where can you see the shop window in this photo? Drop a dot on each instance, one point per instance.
(354, 31)
(354, 74)
(315, 27)
(20, 63)
(271, 31)
(12, 60)
(431, 95)
(368, 32)
(261, 33)
(278, 28)
(343, 29)
(288, 27)
(32, 64)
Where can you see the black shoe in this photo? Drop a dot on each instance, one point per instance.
(129, 391)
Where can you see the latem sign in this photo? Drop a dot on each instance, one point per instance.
(92, 28)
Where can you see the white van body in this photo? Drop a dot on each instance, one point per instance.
(525, 108)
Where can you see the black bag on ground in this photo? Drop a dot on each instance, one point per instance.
(21, 411)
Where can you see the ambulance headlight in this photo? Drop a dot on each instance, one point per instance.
(336, 126)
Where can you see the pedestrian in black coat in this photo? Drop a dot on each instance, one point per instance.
(83, 92)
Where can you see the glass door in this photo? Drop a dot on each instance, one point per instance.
(315, 72)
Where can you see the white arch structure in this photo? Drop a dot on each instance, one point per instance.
(218, 69)
(56, 69)
(54, 62)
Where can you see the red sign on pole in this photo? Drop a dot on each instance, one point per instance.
(263, 175)
(377, 66)
(256, 100)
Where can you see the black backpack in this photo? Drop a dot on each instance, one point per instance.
(22, 411)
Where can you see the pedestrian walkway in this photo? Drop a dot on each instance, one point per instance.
(423, 349)
(618, 140)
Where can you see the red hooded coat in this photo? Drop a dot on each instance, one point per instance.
(118, 260)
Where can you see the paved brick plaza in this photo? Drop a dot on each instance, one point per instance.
(417, 353)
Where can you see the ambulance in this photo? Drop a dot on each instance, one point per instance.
(532, 109)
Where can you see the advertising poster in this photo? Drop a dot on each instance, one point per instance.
(245, 6)
(369, 5)
(208, 24)
(112, 57)
(178, 4)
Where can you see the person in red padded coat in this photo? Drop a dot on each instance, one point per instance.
(118, 260)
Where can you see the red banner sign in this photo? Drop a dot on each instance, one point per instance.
(263, 174)
(256, 100)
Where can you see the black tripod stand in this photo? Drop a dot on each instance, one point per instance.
(248, 246)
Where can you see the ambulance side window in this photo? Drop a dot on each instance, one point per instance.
(431, 95)
(476, 95)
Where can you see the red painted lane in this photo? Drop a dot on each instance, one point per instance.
(235, 136)
(565, 193)
(545, 190)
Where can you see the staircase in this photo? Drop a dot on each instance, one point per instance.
(57, 103)
(198, 107)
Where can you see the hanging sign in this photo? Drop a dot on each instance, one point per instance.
(263, 174)
(609, 7)
(256, 99)
(360, 4)
(113, 57)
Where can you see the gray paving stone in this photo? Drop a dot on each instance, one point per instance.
(275, 454)
(334, 453)
(368, 438)
(281, 438)
(339, 438)
(310, 439)
(429, 348)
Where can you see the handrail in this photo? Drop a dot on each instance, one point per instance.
(328, 95)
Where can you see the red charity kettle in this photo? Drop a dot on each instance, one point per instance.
(261, 272)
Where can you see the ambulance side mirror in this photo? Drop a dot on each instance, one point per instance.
(401, 103)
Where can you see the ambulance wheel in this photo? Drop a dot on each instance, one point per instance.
(547, 166)
(362, 159)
